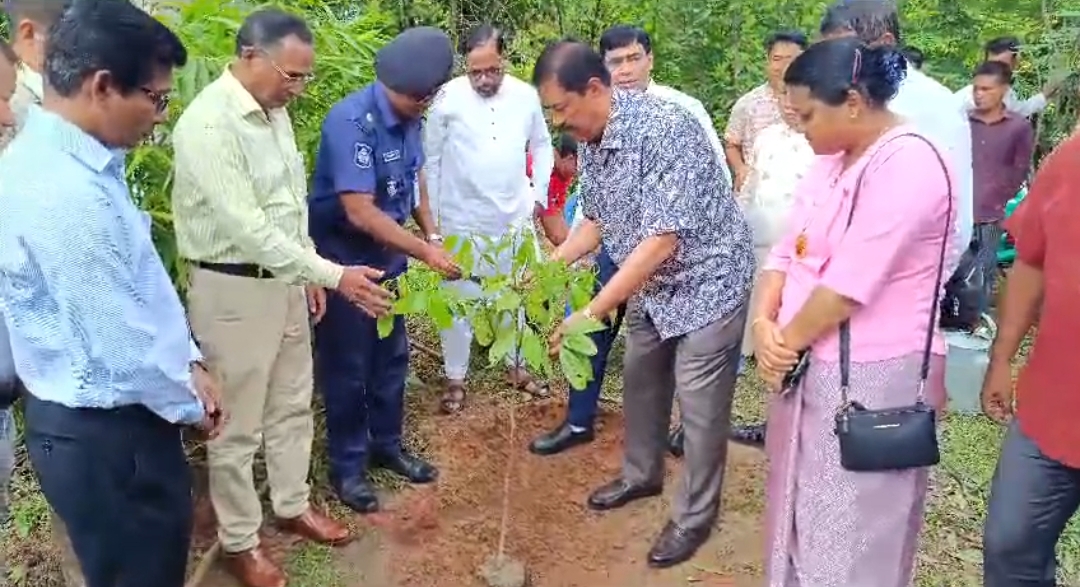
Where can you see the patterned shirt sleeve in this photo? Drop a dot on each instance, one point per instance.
(737, 122)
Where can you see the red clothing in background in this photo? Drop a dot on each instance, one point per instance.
(1046, 227)
(557, 188)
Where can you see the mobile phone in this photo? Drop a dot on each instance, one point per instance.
(795, 375)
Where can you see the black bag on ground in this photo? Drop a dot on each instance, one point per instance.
(960, 301)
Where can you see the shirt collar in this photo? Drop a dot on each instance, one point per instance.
(390, 118)
(619, 121)
(1005, 115)
(73, 140)
(32, 81)
(245, 103)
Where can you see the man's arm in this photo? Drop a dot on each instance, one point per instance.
(543, 155)
(733, 142)
(210, 170)
(953, 132)
(421, 214)
(1023, 150)
(1027, 108)
(434, 144)
(97, 295)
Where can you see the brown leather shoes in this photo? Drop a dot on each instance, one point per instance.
(317, 527)
(253, 568)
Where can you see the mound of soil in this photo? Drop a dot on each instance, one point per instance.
(440, 536)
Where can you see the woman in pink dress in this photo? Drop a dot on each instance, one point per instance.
(875, 263)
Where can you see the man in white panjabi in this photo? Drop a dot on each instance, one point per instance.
(475, 139)
(781, 156)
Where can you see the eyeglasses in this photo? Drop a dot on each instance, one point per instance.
(160, 99)
(291, 77)
(478, 74)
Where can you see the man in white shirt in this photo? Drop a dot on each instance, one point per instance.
(475, 140)
(927, 104)
(627, 52)
(1007, 51)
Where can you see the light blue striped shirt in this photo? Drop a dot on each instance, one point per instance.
(94, 319)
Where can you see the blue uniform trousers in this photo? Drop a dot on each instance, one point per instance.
(583, 404)
(362, 381)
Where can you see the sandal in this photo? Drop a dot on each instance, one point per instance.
(453, 398)
(520, 379)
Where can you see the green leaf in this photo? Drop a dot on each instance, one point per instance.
(579, 343)
(585, 326)
(413, 304)
(533, 351)
(482, 330)
(577, 368)
(505, 343)
(439, 311)
(508, 302)
(385, 325)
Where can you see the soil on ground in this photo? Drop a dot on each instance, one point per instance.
(440, 536)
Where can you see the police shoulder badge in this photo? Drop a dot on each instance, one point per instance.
(362, 156)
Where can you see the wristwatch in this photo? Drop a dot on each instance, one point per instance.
(587, 313)
(434, 238)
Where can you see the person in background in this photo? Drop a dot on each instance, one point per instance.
(369, 162)
(98, 332)
(655, 194)
(827, 525)
(761, 107)
(914, 57)
(925, 102)
(257, 282)
(478, 185)
(1036, 488)
(1002, 144)
(628, 54)
(1007, 50)
(781, 157)
(552, 217)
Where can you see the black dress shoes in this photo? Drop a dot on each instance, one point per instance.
(560, 439)
(751, 435)
(414, 469)
(675, 441)
(676, 545)
(619, 493)
(359, 495)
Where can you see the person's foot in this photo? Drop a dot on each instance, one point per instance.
(560, 439)
(359, 496)
(520, 379)
(675, 545)
(619, 493)
(453, 397)
(415, 469)
(253, 568)
(750, 435)
(317, 527)
(675, 441)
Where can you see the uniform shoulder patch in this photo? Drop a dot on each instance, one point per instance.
(362, 156)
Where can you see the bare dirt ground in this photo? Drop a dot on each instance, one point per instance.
(440, 536)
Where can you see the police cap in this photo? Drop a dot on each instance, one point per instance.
(416, 62)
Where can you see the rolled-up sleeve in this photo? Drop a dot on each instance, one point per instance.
(210, 166)
(895, 210)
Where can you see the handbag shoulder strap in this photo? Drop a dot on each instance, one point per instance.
(845, 326)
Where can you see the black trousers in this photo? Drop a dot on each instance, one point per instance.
(1032, 498)
(120, 481)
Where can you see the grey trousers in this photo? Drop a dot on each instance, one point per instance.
(1032, 498)
(700, 368)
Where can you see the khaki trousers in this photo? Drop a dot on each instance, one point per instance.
(256, 336)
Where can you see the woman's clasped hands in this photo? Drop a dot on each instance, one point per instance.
(774, 360)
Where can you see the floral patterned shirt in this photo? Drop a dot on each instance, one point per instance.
(752, 113)
(655, 172)
(781, 156)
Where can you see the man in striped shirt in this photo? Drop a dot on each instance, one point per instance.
(239, 207)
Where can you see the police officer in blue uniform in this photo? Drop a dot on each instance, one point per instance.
(366, 177)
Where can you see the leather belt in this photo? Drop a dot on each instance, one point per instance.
(238, 269)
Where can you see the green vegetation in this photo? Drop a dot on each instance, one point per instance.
(709, 48)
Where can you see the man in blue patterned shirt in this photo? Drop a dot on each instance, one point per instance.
(655, 194)
(98, 333)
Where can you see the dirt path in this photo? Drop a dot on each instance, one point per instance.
(439, 536)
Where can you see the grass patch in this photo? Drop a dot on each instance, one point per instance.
(314, 565)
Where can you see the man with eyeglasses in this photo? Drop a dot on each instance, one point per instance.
(474, 141)
(257, 282)
(363, 190)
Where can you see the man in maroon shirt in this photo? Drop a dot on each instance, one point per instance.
(1001, 144)
(1036, 487)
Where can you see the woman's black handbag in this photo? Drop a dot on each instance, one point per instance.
(963, 291)
(895, 438)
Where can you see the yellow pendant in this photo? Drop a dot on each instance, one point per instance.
(800, 245)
